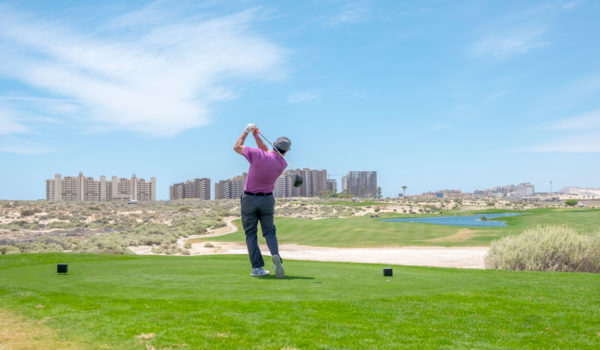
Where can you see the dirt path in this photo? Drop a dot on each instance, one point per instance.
(461, 257)
(227, 229)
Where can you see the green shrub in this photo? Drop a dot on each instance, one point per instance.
(8, 249)
(546, 248)
(571, 202)
(27, 212)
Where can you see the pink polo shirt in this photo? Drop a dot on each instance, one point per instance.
(265, 168)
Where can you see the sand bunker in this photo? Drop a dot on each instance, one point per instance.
(461, 257)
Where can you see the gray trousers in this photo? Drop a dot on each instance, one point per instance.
(255, 209)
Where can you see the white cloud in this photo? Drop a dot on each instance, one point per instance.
(585, 143)
(159, 80)
(583, 135)
(23, 149)
(584, 121)
(571, 4)
(309, 96)
(504, 43)
(350, 13)
(8, 125)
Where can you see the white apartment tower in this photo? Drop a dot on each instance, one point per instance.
(80, 188)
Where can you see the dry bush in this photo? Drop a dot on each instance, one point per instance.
(546, 248)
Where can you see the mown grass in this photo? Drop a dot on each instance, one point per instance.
(133, 302)
(372, 232)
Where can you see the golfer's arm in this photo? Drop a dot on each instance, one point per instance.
(260, 143)
(239, 144)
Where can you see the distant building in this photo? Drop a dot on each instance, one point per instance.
(230, 188)
(524, 189)
(314, 184)
(198, 188)
(445, 193)
(81, 188)
(332, 185)
(361, 183)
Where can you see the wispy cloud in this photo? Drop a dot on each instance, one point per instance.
(584, 121)
(569, 5)
(21, 145)
(24, 149)
(159, 79)
(586, 143)
(8, 124)
(508, 42)
(586, 136)
(518, 32)
(350, 13)
(585, 87)
(309, 96)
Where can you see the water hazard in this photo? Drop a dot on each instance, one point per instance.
(480, 220)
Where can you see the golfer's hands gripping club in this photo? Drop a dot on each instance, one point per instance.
(250, 128)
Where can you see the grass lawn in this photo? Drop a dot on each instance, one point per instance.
(371, 232)
(134, 302)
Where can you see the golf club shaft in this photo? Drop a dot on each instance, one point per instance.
(298, 180)
(270, 143)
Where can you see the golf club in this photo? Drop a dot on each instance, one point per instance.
(297, 178)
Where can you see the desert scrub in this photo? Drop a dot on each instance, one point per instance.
(546, 248)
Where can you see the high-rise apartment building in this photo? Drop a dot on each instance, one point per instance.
(314, 184)
(230, 188)
(332, 185)
(198, 188)
(81, 188)
(361, 183)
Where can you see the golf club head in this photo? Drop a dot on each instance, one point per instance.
(298, 180)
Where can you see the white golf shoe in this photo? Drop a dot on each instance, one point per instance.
(279, 272)
(259, 272)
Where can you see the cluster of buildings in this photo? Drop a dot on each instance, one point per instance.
(520, 191)
(360, 184)
(81, 188)
(316, 183)
(524, 189)
(197, 188)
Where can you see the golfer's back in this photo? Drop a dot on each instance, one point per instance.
(265, 168)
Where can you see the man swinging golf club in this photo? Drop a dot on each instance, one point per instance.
(257, 202)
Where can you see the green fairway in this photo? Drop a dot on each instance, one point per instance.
(371, 232)
(131, 302)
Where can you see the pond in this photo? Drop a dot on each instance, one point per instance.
(470, 220)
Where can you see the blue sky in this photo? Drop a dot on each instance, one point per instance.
(430, 94)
